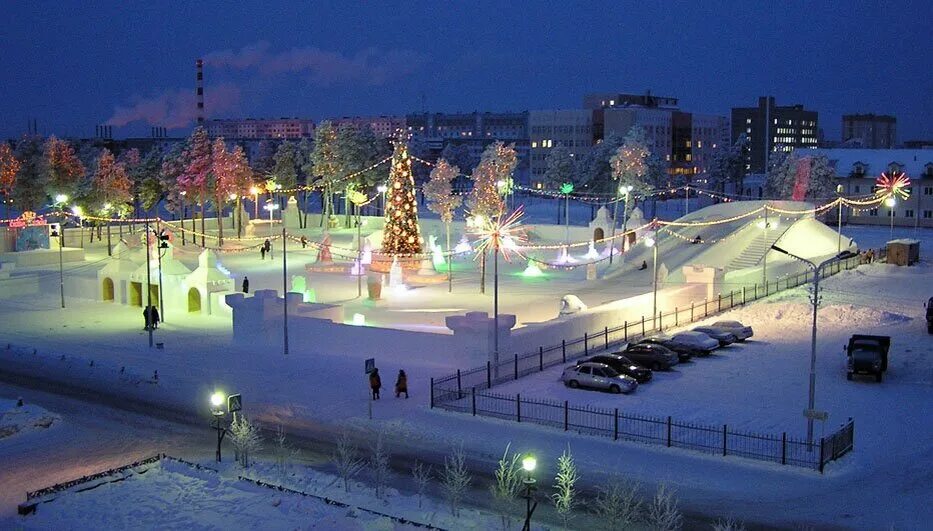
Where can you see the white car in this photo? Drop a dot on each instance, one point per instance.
(695, 340)
(598, 376)
(740, 331)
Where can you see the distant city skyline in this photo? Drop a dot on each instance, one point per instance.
(71, 67)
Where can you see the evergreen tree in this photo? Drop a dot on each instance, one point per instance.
(149, 189)
(402, 235)
(171, 174)
(324, 165)
(559, 168)
(223, 182)
(801, 177)
(31, 179)
(265, 156)
(9, 167)
(111, 184)
(196, 177)
(285, 165)
(594, 167)
(242, 179)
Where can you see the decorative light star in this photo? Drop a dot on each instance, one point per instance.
(504, 233)
(566, 188)
(896, 184)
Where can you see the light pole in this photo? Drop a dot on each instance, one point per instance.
(148, 282)
(839, 221)
(382, 189)
(566, 189)
(285, 288)
(60, 201)
(254, 191)
(654, 244)
(61, 266)
(271, 207)
(163, 244)
(107, 207)
(890, 202)
(218, 414)
(529, 463)
(79, 213)
(815, 299)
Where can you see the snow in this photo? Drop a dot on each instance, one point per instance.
(19, 420)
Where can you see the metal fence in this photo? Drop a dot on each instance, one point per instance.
(467, 390)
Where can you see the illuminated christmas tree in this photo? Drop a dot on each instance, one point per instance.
(401, 233)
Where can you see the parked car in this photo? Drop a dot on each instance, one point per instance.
(622, 365)
(740, 331)
(598, 376)
(929, 306)
(684, 352)
(867, 355)
(657, 357)
(696, 340)
(722, 335)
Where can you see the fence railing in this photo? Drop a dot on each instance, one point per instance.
(466, 390)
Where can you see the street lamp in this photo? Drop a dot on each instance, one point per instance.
(653, 244)
(271, 206)
(106, 209)
(254, 191)
(566, 189)
(61, 267)
(890, 202)
(60, 200)
(79, 213)
(217, 418)
(529, 463)
(815, 299)
(839, 189)
(382, 189)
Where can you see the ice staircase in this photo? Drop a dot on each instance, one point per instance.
(755, 251)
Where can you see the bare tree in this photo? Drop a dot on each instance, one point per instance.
(663, 513)
(728, 524)
(455, 479)
(617, 505)
(565, 497)
(422, 475)
(505, 489)
(379, 466)
(246, 439)
(282, 452)
(347, 460)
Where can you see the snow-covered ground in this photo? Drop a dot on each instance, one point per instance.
(19, 420)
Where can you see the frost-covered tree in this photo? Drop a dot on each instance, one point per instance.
(197, 175)
(378, 464)
(144, 174)
(241, 180)
(443, 202)
(246, 439)
(347, 460)
(485, 200)
(559, 168)
(506, 488)
(663, 513)
(325, 166)
(565, 495)
(63, 168)
(282, 453)
(594, 168)
(728, 524)
(629, 168)
(459, 155)
(171, 171)
(222, 181)
(455, 479)
(9, 167)
(30, 190)
(617, 505)
(265, 157)
(801, 177)
(286, 163)
(422, 475)
(727, 166)
(111, 184)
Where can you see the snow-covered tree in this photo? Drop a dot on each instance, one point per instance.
(282, 453)
(559, 168)
(110, 183)
(727, 166)
(485, 200)
(508, 483)
(378, 464)
(594, 168)
(663, 513)
(455, 479)
(728, 524)
(9, 167)
(325, 166)
(347, 460)
(223, 181)
(63, 168)
(246, 439)
(422, 475)
(286, 163)
(443, 202)
(565, 495)
(196, 177)
(801, 177)
(241, 176)
(170, 174)
(265, 157)
(617, 505)
(30, 190)
(459, 155)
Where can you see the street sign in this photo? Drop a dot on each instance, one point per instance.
(815, 414)
(370, 365)
(234, 403)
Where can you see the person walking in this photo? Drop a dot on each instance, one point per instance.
(401, 384)
(154, 317)
(147, 316)
(269, 248)
(245, 284)
(375, 383)
(304, 242)
(262, 251)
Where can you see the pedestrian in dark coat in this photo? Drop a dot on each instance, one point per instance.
(147, 316)
(262, 251)
(401, 384)
(644, 265)
(375, 383)
(245, 284)
(304, 242)
(154, 317)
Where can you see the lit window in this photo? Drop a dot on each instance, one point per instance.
(748, 129)
(534, 144)
(612, 102)
(748, 120)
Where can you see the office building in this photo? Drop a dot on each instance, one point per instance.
(570, 128)
(870, 131)
(382, 126)
(261, 128)
(770, 128)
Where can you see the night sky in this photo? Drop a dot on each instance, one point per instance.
(131, 64)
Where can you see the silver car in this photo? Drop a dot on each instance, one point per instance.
(722, 335)
(740, 331)
(598, 376)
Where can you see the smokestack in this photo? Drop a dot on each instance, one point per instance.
(200, 90)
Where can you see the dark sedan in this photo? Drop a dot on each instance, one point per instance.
(656, 357)
(622, 365)
(684, 352)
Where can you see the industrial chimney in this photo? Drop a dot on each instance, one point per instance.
(200, 93)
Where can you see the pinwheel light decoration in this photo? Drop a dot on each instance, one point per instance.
(894, 184)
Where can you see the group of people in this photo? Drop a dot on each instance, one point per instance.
(401, 384)
(868, 256)
(151, 316)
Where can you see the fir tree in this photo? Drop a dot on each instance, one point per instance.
(29, 192)
(402, 233)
